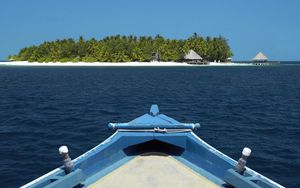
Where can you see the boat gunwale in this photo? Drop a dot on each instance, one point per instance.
(31, 183)
(234, 162)
(110, 140)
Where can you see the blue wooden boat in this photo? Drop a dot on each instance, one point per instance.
(153, 150)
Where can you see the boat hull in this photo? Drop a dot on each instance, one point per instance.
(124, 146)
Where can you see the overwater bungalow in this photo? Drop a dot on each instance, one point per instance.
(193, 58)
(261, 59)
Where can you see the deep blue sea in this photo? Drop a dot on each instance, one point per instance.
(42, 108)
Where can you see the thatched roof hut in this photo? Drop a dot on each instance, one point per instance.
(192, 55)
(260, 57)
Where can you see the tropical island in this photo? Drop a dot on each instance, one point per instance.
(126, 49)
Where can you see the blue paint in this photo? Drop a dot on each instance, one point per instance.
(237, 180)
(154, 110)
(70, 180)
(153, 120)
(124, 145)
(107, 170)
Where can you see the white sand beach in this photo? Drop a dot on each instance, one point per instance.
(229, 64)
(123, 64)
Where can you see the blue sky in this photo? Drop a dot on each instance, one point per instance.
(270, 26)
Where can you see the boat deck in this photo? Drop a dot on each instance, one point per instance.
(153, 170)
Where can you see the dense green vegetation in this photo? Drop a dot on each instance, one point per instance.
(125, 48)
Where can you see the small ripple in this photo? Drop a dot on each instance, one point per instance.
(236, 107)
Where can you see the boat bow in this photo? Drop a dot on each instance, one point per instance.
(153, 120)
(159, 140)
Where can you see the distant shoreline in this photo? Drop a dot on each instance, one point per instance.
(119, 64)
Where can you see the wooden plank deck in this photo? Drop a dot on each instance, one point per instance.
(153, 170)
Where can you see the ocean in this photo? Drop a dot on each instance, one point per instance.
(42, 108)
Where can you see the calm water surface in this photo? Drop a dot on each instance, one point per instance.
(42, 108)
